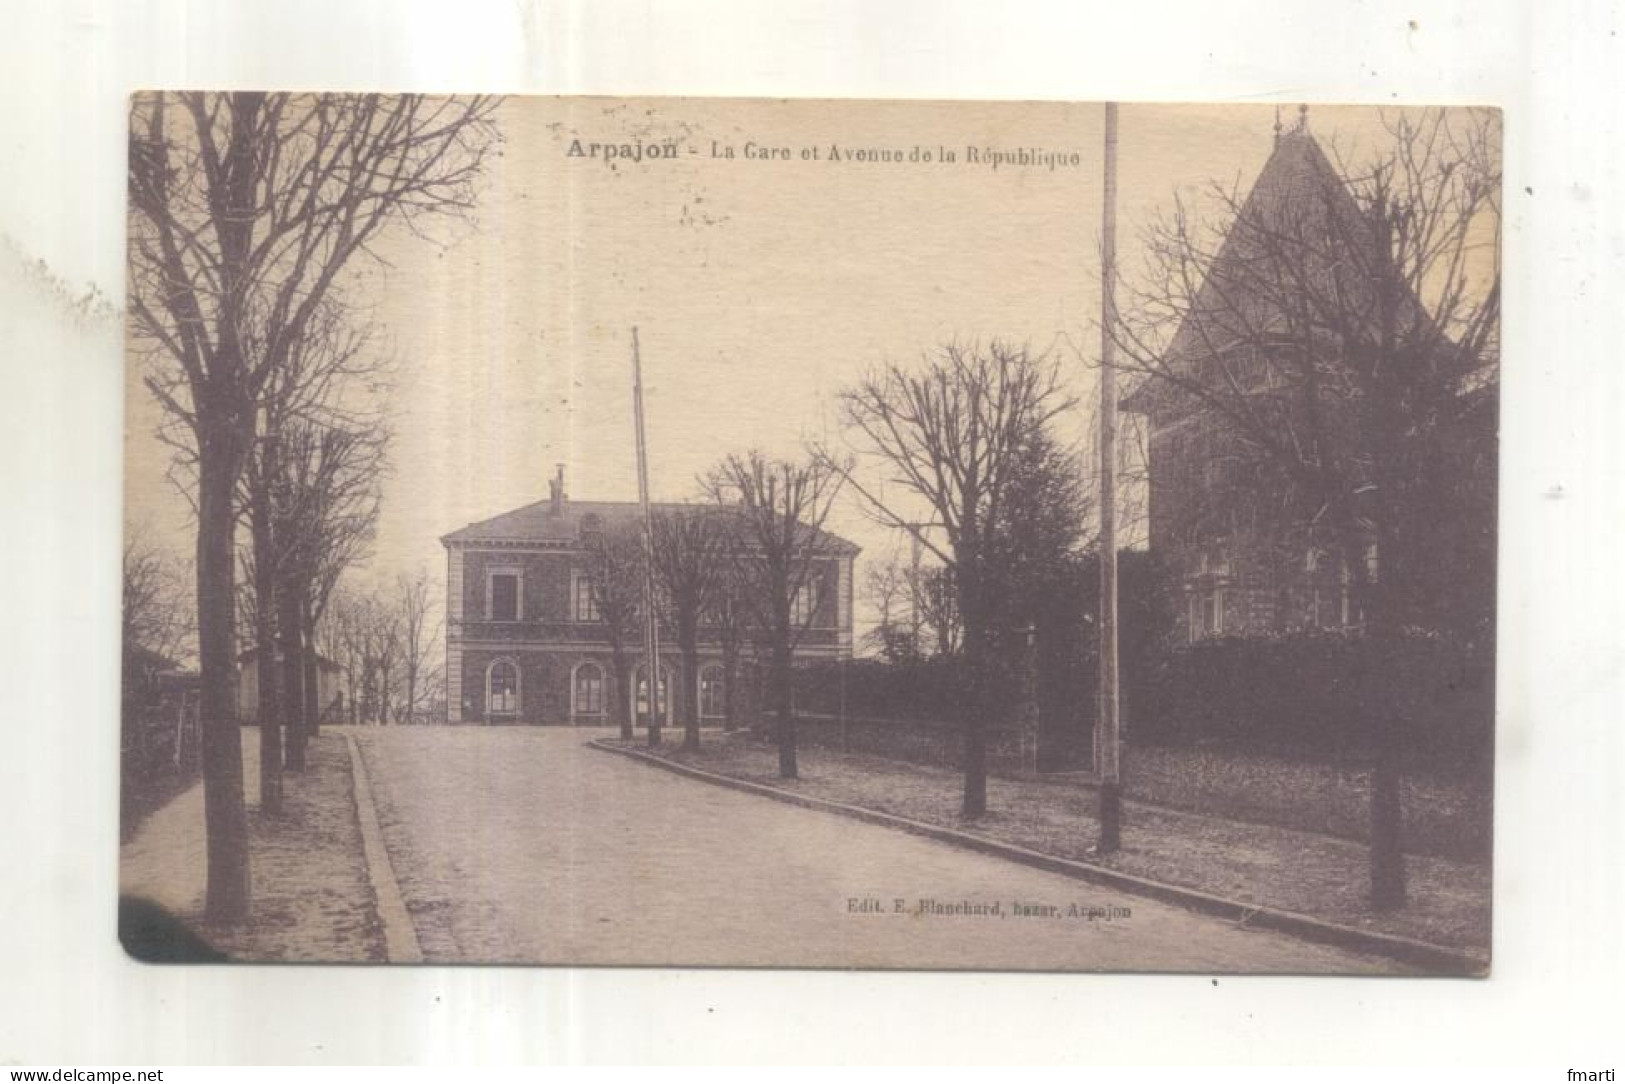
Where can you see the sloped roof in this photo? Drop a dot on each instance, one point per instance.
(539, 523)
(1299, 200)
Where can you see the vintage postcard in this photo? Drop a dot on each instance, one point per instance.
(810, 534)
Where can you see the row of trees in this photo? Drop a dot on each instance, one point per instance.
(388, 647)
(733, 568)
(1338, 330)
(248, 212)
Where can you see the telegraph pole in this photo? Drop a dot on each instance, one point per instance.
(1107, 732)
(651, 622)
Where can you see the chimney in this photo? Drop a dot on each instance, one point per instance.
(555, 487)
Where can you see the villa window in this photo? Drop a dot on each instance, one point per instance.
(1212, 561)
(1206, 615)
(804, 604)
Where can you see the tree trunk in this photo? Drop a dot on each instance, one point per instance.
(688, 644)
(785, 720)
(1387, 710)
(225, 820)
(293, 674)
(313, 705)
(730, 693)
(623, 690)
(1387, 834)
(268, 677)
(975, 800)
(975, 701)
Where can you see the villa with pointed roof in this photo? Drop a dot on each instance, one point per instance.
(525, 642)
(1246, 547)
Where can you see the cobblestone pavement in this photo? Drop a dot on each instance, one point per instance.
(523, 846)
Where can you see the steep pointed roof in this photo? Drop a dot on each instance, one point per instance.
(1299, 205)
(1298, 235)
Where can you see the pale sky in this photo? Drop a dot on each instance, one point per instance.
(759, 288)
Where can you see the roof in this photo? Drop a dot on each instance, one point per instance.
(1299, 194)
(540, 523)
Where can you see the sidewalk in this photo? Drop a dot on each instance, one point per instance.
(1303, 872)
(312, 899)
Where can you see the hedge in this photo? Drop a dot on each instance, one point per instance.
(1319, 695)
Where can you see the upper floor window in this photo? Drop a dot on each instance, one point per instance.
(804, 603)
(584, 606)
(502, 595)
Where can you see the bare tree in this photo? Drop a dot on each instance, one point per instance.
(285, 493)
(338, 635)
(1334, 331)
(938, 601)
(687, 547)
(731, 618)
(780, 508)
(157, 611)
(615, 569)
(420, 631)
(379, 639)
(244, 210)
(335, 472)
(891, 589)
(955, 433)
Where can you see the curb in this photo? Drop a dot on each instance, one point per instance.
(1435, 958)
(400, 936)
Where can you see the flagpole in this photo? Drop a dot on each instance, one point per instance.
(1111, 793)
(651, 622)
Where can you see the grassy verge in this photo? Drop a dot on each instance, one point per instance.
(1270, 866)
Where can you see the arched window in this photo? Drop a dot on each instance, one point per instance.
(712, 700)
(587, 689)
(502, 688)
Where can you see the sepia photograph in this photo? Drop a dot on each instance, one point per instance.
(815, 534)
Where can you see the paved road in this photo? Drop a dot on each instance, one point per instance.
(521, 845)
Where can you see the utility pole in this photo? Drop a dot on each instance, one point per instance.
(1107, 733)
(651, 621)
